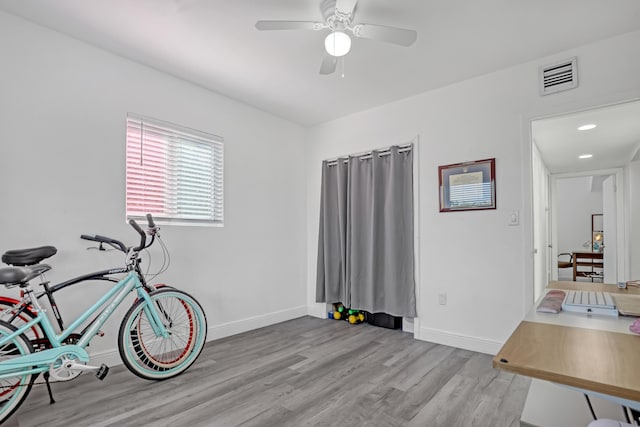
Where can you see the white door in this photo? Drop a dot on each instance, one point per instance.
(541, 272)
(609, 227)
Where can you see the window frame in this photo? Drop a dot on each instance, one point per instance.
(217, 173)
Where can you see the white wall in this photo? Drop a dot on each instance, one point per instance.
(62, 139)
(575, 204)
(634, 220)
(483, 264)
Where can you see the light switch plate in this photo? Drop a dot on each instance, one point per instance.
(442, 298)
(514, 218)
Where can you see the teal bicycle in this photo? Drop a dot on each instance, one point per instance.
(160, 336)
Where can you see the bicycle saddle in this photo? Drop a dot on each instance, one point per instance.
(21, 275)
(30, 256)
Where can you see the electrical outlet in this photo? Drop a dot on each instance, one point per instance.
(442, 298)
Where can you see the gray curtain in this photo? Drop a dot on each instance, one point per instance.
(332, 273)
(375, 228)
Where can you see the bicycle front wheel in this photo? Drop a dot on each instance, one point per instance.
(155, 357)
(13, 389)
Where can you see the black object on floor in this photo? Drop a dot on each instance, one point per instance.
(384, 320)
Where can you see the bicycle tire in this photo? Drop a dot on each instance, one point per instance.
(158, 358)
(10, 313)
(13, 390)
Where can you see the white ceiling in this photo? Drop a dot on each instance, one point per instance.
(612, 143)
(214, 44)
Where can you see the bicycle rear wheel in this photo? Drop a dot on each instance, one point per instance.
(13, 390)
(12, 311)
(155, 357)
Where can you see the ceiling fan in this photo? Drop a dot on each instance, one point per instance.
(338, 18)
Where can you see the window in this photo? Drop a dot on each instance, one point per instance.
(174, 173)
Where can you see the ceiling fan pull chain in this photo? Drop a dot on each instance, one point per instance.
(343, 66)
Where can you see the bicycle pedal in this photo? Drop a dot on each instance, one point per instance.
(102, 372)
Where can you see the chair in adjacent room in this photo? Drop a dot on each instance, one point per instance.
(563, 263)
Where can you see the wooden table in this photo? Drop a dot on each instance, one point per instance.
(586, 259)
(584, 355)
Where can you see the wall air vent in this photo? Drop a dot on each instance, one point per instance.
(559, 76)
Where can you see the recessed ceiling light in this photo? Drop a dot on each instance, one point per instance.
(587, 127)
(585, 156)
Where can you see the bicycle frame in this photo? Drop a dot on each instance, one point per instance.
(39, 362)
(50, 290)
(103, 275)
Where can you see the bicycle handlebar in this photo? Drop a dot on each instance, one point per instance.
(152, 230)
(102, 239)
(150, 221)
(143, 237)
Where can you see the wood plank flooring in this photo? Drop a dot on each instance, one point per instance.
(304, 372)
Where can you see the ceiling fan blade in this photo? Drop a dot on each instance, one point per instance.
(346, 6)
(328, 64)
(393, 35)
(288, 25)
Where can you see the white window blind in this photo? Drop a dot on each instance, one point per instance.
(174, 173)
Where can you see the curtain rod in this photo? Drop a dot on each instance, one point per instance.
(403, 148)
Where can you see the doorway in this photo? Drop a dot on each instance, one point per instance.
(569, 149)
(584, 218)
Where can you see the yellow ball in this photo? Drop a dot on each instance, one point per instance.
(361, 317)
(353, 319)
(337, 315)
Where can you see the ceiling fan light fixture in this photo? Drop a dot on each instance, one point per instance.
(337, 43)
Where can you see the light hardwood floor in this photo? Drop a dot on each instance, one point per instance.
(302, 372)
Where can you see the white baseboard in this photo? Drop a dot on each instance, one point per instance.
(317, 310)
(112, 357)
(251, 323)
(481, 345)
(408, 324)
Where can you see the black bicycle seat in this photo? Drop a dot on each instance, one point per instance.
(21, 275)
(30, 256)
